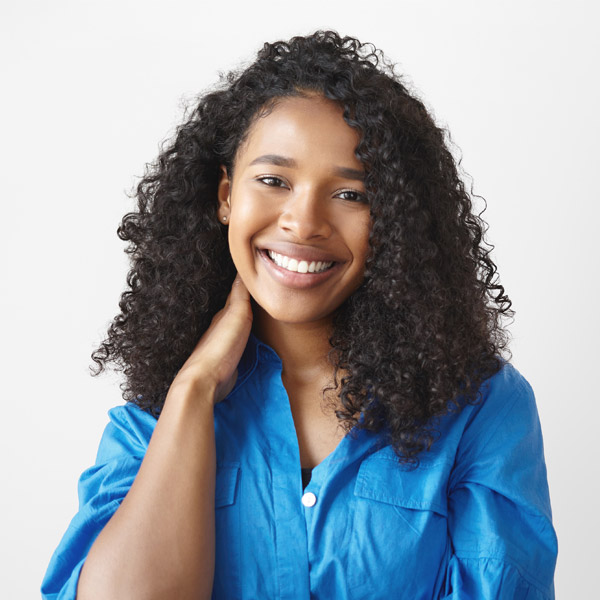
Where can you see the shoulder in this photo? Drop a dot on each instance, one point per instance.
(508, 385)
(500, 444)
(506, 402)
(128, 432)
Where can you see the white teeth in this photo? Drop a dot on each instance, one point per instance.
(302, 266)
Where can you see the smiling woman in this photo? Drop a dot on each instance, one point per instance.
(299, 220)
(318, 405)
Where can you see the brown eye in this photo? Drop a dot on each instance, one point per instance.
(351, 196)
(272, 181)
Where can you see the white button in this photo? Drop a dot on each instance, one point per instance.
(309, 499)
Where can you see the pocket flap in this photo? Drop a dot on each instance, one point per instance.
(226, 483)
(384, 479)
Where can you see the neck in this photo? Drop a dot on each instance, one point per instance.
(301, 347)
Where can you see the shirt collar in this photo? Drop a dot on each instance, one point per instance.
(257, 352)
(254, 352)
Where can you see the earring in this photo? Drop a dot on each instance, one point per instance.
(224, 218)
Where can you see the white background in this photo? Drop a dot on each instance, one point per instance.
(89, 89)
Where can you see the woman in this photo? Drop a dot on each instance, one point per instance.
(345, 427)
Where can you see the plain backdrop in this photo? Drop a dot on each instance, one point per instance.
(90, 89)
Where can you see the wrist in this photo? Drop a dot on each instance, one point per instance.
(199, 392)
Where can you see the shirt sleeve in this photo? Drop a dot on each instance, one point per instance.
(499, 519)
(101, 490)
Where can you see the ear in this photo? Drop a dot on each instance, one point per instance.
(223, 195)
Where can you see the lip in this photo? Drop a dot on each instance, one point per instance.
(299, 252)
(296, 280)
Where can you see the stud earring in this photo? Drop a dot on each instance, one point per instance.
(224, 218)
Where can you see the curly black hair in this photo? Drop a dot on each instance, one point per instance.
(425, 328)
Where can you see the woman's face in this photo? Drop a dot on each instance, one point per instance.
(298, 218)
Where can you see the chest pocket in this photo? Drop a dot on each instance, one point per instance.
(399, 528)
(382, 478)
(226, 484)
(227, 581)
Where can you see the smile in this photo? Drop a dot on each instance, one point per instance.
(298, 266)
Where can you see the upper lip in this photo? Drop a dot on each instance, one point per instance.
(300, 252)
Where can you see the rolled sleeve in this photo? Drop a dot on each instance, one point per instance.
(101, 490)
(499, 519)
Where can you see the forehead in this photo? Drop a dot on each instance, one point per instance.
(302, 127)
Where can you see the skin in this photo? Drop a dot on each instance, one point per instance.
(160, 542)
(312, 206)
(298, 189)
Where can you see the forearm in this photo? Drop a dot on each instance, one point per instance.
(160, 542)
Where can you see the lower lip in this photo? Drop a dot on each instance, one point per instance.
(296, 280)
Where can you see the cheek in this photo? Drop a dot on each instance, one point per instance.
(361, 252)
(239, 246)
(362, 232)
(247, 220)
(250, 213)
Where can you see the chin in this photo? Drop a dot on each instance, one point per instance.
(293, 317)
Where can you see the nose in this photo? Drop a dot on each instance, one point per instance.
(305, 215)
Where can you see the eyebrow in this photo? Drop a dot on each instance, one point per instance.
(284, 161)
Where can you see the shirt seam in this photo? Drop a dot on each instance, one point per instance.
(245, 376)
(506, 560)
(498, 421)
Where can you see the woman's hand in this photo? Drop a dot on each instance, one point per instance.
(213, 363)
(175, 485)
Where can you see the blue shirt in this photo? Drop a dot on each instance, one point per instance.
(473, 521)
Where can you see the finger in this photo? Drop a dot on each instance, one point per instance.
(239, 291)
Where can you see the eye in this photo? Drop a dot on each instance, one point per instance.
(272, 181)
(351, 196)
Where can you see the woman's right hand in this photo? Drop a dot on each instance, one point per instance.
(213, 363)
(175, 484)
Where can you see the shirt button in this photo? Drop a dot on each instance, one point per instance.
(309, 499)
